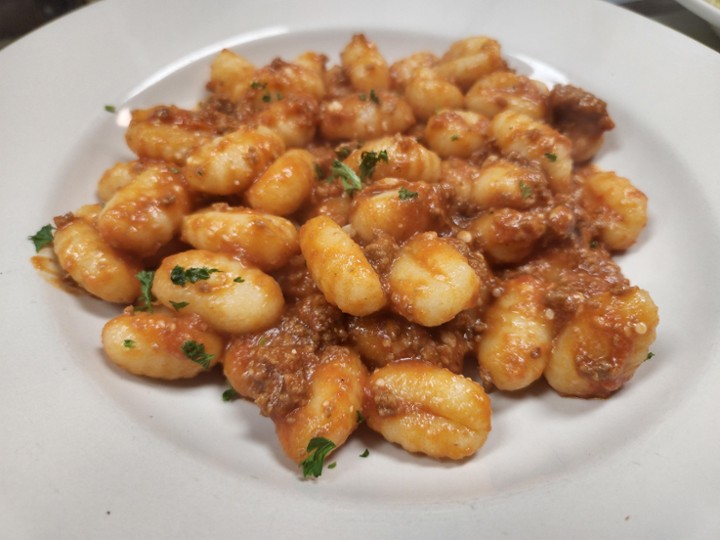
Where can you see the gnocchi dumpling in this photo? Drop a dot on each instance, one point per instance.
(229, 295)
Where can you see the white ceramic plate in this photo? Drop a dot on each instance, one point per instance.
(88, 452)
(705, 10)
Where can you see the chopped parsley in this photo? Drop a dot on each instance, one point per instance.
(343, 152)
(319, 172)
(179, 305)
(359, 418)
(525, 191)
(594, 244)
(230, 394)
(318, 448)
(239, 279)
(350, 180)
(332, 465)
(42, 238)
(278, 96)
(366, 453)
(145, 277)
(373, 97)
(405, 194)
(649, 355)
(368, 161)
(129, 344)
(551, 157)
(256, 85)
(196, 352)
(180, 276)
(266, 98)
(110, 108)
(454, 137)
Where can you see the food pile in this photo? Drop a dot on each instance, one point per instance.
(345, 240)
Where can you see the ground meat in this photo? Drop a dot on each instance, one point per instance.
(580, 116)
(273, 368)
(384, 338)
(576, 273)
(381, 252)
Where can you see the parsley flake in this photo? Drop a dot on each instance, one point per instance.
(145, 277)
(350, 180)
(317, 448)
(179, 305)
(594, 244)
(343, 152)
(319, 172)
(359, 418)
(180, 276)
(649, 355)
(42, 238)
(110, 108)
(525, 190)
(239, 279)
(366, 453)
(454, 137)
(405, 194)
(332, 465)
(267, 98)
(368, 161)
(129, 344)
(255, 85)
(196, 352)
(230, 394)
(551, 157)
(374, 97)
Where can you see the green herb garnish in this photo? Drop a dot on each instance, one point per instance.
(110, 108)
(145, 277)
(454, 137)
(129, 344)
(42, 238)
(343, 152)
(405, 194)
(180, 275)
(525, 191)
(350, 180)
(551, 157)
(319, 172)
(196, 352)
(368, 161)
(179, 305)
(318, 448)
(366, 453)
(255, 85)
(359, 418)
(230, 394)
(374, 97)
(239, 279)
(649, 355)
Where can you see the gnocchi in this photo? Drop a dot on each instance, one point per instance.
(343, 239)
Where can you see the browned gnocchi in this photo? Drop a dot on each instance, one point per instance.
(343, 240)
